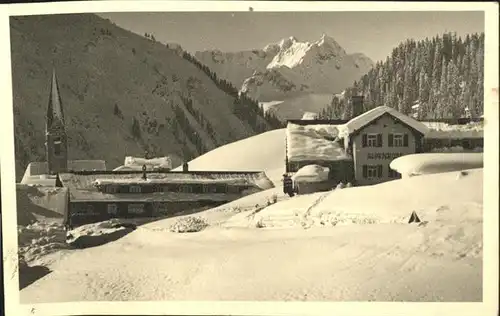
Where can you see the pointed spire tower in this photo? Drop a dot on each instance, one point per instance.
(55, 131)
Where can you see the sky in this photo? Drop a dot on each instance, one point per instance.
(373, 33)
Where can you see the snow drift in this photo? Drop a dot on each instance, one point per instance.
(314, 143)
(428, 163)
(311, 173)
(257, 153)
(33, 201)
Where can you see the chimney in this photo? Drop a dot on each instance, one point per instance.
(185, 167)
(357, 105)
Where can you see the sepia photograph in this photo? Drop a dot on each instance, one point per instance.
(247, 155)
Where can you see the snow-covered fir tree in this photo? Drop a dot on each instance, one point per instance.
(444, 74)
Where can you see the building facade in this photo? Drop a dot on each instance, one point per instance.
(360, 150)
(377, 144)
(98, 196)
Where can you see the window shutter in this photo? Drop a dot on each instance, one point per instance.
(379, 171)
(390, 140)
(405, 140)
(365, 171)
(379, 140)
(364, 140)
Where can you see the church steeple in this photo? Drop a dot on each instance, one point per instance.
(54, 110)
(55, 131)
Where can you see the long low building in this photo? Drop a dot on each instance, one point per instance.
(97, 196)
(359, 151)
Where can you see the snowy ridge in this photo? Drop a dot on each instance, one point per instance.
(293, 53)
(289, 68)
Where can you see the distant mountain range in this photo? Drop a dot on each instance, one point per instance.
(289, 68)
(122, 93)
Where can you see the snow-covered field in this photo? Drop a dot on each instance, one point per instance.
(351, 244)
(374, 255)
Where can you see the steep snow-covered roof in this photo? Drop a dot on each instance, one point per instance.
(364, 119)
(314, 142)
(37, 172)
(161, 162)
(87, 181)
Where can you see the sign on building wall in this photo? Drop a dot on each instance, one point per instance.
(384, 156)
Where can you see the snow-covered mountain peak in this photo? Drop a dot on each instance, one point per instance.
(327, 43)
(287, 42)
(293, 52)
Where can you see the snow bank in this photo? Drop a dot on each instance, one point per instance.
(445, 130)
(311, 173)
(36, 201)
(430, 163)
(263, 152)
(40, 239)
(314, 142)
(97, 234)
(425, 194)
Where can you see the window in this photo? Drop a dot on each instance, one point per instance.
(208, 188)
(372, 171)
(398, 140)
(136, 208)
(134, 189)
(84, 210)
(57, 146)
(372, 140)
(112, 209)
(233, 189)
(184, 188)
(111, 189)
(221, 188)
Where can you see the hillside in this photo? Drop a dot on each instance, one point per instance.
(433, 78)
(122, 93)
(289, 68)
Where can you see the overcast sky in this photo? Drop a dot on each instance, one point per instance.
(372, 33)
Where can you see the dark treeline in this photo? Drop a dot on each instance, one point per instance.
(444, 76)
(245, 108)
(200, 118)
(182, 123)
